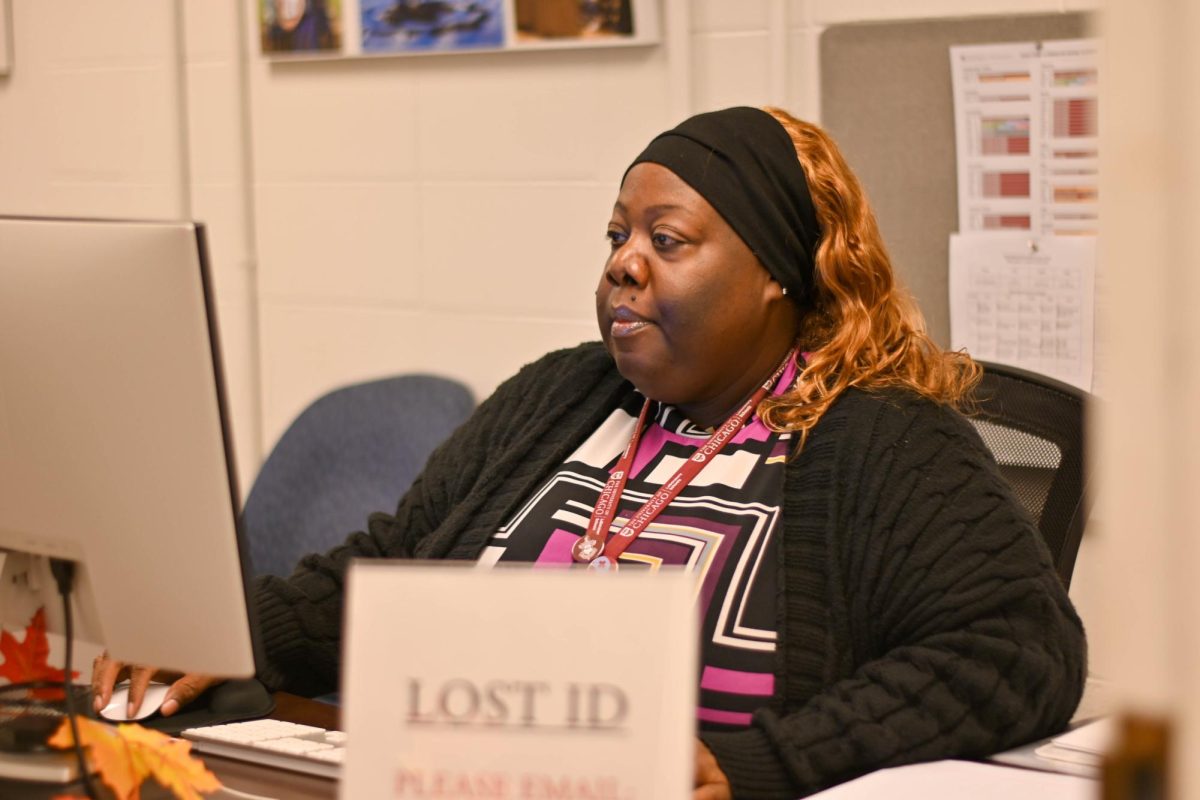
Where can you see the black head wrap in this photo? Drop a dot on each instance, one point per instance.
(743, 162)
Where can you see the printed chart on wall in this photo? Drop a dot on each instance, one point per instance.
(1026, 130)
(1022, 267)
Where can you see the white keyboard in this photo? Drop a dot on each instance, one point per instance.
(274, 743)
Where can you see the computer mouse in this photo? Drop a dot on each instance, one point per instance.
(118, 705)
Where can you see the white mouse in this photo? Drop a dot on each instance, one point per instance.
(118, 705)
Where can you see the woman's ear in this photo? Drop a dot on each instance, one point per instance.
(779, 301)
(774, 291)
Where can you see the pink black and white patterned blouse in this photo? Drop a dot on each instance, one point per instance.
(721, 527)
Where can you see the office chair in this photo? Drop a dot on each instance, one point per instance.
(352, 452)
(1034, 427)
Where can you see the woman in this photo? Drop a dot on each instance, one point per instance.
(894, 604)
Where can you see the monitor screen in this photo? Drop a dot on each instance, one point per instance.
(114, 446)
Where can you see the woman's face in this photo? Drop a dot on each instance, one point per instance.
(685, 308)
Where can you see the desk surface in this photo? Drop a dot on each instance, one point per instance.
(237, 775)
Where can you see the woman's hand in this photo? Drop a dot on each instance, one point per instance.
(711, 783)
(106, 673)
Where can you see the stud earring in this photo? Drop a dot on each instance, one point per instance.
(785, 291)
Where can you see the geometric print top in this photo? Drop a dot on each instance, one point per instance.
(722, 527)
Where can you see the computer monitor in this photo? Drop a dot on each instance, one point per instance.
(114, 447)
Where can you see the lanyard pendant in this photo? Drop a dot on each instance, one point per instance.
(586, 549)
(602, 564)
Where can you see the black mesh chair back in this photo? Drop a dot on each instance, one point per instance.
(1034, 426)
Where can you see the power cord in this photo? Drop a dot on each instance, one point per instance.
(64, 575)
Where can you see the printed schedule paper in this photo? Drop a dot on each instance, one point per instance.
(1026, 302)
(1025, 117)
(519, 683)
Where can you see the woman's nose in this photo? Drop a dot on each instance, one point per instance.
(627, 265)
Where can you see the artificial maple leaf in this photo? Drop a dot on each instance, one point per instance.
(27, 660)
(126, 755)
(107, 754)
(170, 762)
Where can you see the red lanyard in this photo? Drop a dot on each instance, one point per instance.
(589, 547)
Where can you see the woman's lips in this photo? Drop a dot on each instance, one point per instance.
(626, 322)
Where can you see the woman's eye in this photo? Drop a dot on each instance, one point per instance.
(616, 238)
(662, 240)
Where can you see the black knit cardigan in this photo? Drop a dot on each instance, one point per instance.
(919, 615)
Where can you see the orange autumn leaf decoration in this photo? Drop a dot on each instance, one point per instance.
(125, 755)
(28, 660)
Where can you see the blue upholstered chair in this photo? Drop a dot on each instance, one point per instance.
(352, 452)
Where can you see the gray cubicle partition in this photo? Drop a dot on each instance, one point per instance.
(886, 98)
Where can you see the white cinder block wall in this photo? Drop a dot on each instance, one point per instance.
(373, 216)
(376, 216)
(367, 217)
(446, 213)
(134, 108)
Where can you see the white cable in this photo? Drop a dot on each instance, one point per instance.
(225, 791)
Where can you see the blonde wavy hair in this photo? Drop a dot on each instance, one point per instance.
(863, 330)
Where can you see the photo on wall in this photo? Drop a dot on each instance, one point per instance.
(300, 26)
(431, 25)
(586, 21)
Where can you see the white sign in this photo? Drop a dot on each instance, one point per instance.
(518, 683)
